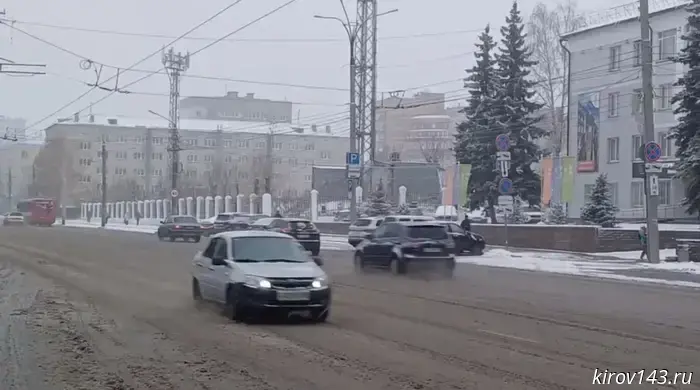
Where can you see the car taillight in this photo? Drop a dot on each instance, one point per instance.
(286, 230)
(177, 226)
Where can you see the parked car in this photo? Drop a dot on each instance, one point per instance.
(180, 226)
(362, 228)
(12, 219)
(302, 229)
(400, 246)
(226, 222)
(251, 272)
(407, 218)
(465, 241)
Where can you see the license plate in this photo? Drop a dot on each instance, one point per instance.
(299, 313)
(293, 295)
(431, 250)
(303, 236)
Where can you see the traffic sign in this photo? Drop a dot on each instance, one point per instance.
(503, 142)
(505, 201)
(653, 185)
(505, 186)
(352, 159)
(665, 170)
(350, 185)
(503, 155)
(174, 193)
(652, 151)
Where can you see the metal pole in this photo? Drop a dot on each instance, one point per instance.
(9, 188)
(103, 206)
(648, 88)
(353, 121)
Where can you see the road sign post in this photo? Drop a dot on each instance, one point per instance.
(353, 166)
(652, 154)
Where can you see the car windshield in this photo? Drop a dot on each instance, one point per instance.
(223, 217)
(362, 222)
(15, 214)
(185, 220)
(268, 249)
(263, 222)
(433, 232)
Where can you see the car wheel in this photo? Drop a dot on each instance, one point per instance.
(171, 238)
(196, 293)
(315, 251)
(196, 239)
(397, 266)
(478, 251)
(359, 263)
(233, 307)
(322, 316)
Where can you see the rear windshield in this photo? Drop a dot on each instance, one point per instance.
(223, 217)
(389, 219)
(15, 214)
(432, 232)
(301, 225)
(362, 222)
(185, 220)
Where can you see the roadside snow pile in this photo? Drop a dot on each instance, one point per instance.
(634, 255)
(686, 268)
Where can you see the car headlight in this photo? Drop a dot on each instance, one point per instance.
(257, 282)
(320, 283)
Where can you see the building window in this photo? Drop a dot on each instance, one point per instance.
(292, 146)
(667, 44)
(277, 146)
(325, 155)
(228, 158)
(307, 178)
(613, 150)
(587, 191)
(664, 96)
(615, 52)
(613, 104)
(666, 145)
(664, 192)
(228, 143)
(192, 158)
(637, 53)
(85, 145)
(138, 156)
(293, 162)
(637, 194)
(208, 158)
(637, 101)
(310, 146)
(636, 145)
(243, 143)
(209, 142)
(260, 145)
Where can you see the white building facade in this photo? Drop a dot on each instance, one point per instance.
(606, 119)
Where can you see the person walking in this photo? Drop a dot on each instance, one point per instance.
(643, 238)
(466, 223)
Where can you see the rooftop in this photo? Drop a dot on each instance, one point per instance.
(431, 117)
(155, 122)
(622, 13)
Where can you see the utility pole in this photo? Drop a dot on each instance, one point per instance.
(268, 160)
(175, 64)
(648, 104)
(103, 206)
(9, 187)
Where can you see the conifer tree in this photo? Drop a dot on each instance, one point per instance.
(517, 111)
(600, 209)
(475, 138)
(517, 216)
(556, 214)
(687, 133)
(378, 205)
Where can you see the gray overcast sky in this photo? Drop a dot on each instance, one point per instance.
(404, 63)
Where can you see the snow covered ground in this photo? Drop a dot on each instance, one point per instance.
(327, 243)
(572, 264)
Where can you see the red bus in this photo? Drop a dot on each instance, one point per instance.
(38, 211)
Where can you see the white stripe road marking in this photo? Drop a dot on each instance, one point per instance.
(508, 336)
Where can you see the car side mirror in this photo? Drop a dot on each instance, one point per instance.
(162, 222)
(318, 260)
(218, 261)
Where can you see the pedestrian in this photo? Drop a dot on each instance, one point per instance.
(643, 238)
(466, 223)
(89, 215)
(138, 217)
(278, 214)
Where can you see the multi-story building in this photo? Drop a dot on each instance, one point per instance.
(232, 107)
(418, 128)
(606, 121)
(216, 157)
(16, 170)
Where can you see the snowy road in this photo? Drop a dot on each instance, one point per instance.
(94, 309)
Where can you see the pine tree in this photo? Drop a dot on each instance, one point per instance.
(687, 133)
(378, 205)
(475, 138)
(556, 214)
(600, 209)
(517, 217)
(517, 109)
(403, 210)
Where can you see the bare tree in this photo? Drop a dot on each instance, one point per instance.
(220, 179)
(545, 28)
(433, 149)
(56, 174)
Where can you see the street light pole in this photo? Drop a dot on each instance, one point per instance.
(352, 30)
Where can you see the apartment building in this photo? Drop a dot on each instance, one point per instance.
(606, 118)
(16, 170)
(216, 157)
(232, 107)
(418, 128)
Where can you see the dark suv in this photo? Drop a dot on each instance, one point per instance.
(302, 229)
(402, 245)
